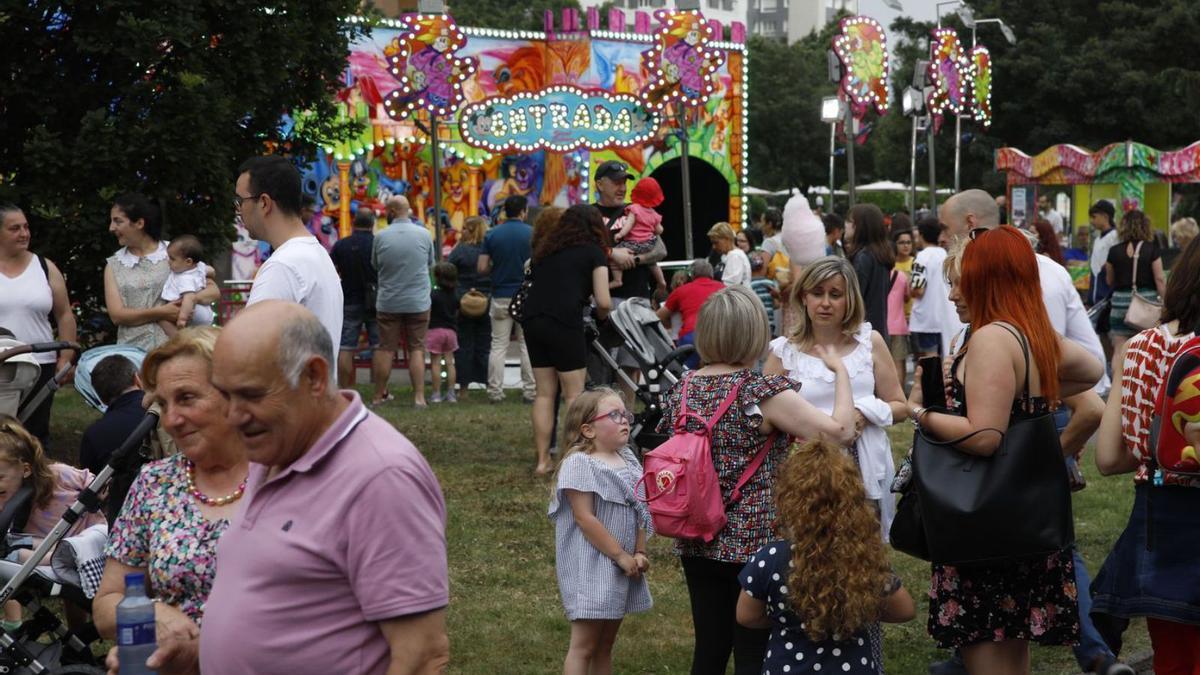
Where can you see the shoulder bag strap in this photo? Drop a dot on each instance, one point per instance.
(752, 467)
(1024, 351)
(1137, 250)
(728, 401)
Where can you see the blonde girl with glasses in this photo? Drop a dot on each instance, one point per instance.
(600, 527)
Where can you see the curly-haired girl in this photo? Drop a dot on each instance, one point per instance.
(823, 588)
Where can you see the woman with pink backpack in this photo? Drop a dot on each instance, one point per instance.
(731, 336)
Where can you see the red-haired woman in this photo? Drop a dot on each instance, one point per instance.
(992, 611)
(1048, 241)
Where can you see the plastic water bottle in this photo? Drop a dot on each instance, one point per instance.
(136, 639)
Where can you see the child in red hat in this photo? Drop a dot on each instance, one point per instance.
(639, 229)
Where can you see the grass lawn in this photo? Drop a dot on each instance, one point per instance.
(505, 614)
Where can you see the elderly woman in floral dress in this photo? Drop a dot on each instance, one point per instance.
(179, 506)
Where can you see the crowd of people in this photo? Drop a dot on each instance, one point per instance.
(801, 363)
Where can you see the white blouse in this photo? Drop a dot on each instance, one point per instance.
(873, 448)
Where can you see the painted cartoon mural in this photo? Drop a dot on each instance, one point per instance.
(393, 155)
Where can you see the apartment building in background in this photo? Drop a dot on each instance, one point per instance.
(725, 11)
(791, 20)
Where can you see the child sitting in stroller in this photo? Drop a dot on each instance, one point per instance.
(55, 487)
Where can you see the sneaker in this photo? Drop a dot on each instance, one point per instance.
(451, 397)
(436, 398)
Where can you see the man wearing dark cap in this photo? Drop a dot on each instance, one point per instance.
(611, 180)
(1102, 215)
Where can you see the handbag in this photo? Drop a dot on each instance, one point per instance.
(473, 304)
(516, 308)
(971, 509)
(1143, 313)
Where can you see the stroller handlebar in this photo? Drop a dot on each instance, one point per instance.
(40, 347)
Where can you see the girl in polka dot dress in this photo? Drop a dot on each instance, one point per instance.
(826, 586)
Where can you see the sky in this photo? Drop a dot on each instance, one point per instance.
(921, 10)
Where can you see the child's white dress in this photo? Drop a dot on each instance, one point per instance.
(190, 281)
(591, 584)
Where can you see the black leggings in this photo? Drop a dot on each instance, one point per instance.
(713, 589)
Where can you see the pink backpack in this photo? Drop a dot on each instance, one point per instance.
(680, 479)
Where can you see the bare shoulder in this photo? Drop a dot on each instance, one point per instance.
(994, 339)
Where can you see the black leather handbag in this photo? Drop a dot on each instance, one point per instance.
(963, 508)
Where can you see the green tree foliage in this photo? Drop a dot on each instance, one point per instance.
(166, 97)
(788, 144)
(1082, 72)
(1093, 73)
(526, 15)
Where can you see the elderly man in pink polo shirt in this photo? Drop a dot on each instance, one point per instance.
(336, 560)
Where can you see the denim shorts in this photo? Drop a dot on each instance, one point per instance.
(1151, 570)
(927, 343)
(353, 319)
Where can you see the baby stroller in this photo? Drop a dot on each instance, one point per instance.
(19, 372)
(44, 643)
(634, 326)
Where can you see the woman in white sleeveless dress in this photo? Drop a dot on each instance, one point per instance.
(828, 310)
(31, 291)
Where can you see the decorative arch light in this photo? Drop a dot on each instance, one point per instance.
(561, 118)
(682, 62)
(949, 74)
(981, 85)
(422, 59)
(861, 46)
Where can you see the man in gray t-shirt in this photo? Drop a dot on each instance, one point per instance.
(402, 255)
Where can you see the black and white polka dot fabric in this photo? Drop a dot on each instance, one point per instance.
(789, 650)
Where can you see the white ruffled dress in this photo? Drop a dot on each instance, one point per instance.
(873, 450)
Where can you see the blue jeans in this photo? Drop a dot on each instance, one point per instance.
(1091, 646)
(692, 362)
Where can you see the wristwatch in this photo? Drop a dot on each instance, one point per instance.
(916, 413)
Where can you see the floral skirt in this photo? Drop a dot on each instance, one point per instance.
(1031, 599)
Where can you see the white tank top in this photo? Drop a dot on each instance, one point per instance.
(25, 304)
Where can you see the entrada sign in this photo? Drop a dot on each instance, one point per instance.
(560, 118)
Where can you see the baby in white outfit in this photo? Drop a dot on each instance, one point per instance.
(188, 277)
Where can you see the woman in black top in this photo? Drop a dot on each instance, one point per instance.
(474, 332)
(870, 252)
(569, 266)
(1136, 238)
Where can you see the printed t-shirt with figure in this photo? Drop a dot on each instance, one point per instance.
(190, 281)
(591, 586)
(933, 312)
(789, 649)
(300, 271)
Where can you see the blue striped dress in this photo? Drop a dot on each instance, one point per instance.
(591, 584)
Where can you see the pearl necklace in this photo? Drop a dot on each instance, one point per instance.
(212, 501)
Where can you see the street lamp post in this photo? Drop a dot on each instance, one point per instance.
(831, 113)
(913, 104)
